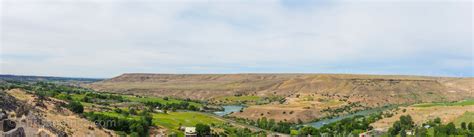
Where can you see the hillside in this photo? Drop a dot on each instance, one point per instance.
(5, 77)
(305, 96)
(207, 86)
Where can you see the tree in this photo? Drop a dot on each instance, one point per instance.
(137, 128)
(421, 132)
(407, 122)
(308, 130)
(437, 120)
(451, 128)
(470, 126)
(75, 107)
(133, 111)
(203, 130)
(403, 133)
(463, 125)
(134, 134)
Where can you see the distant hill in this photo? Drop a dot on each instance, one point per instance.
(7, 77)
(375, 90)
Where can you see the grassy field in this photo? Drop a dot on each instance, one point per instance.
(466, 117)
(460, 103)
(118, 115)
(159, 100)
(173, 120)
(77, 97)
(237, 99)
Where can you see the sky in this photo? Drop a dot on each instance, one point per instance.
(106, 38)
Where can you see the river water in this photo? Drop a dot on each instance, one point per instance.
(228, 110)
(321, 123)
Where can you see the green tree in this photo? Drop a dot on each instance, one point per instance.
(437, 120)
(133, 111)
(203, 130)
(421, 132)
(470, 126)
(134, 134)
(308, 130)
(403, 133)
(75, 107)
(451, 128)
(463, 125)
(138, 128)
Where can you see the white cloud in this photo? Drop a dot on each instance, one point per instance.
(106, 38)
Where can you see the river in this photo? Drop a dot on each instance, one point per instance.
(228, 110)
(321, 123)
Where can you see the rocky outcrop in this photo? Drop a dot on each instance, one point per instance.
(17, 132)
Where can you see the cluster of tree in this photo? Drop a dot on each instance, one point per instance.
(272, 125)
(400, 126)
(405, 124)
(93, 97)
(346, 108)
(128, 125)
(203, 130)
(353, 125)
(75, 107)
(241, 132)
(282, 127)
(184, 105)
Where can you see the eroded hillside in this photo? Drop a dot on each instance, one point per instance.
(305, 96)
(392, 88)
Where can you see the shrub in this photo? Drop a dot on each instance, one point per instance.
(75, 107)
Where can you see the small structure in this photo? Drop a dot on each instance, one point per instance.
(410, 132)
(427, 126)
(190, 132)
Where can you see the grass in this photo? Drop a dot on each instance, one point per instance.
(459, 103)
(466, 117)
(118, 115)
(239, 98)
(159, 100)
(77, 97)
(172, 120)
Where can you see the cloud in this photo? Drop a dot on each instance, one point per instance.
(107, 38)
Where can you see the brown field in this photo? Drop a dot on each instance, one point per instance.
(304, 108)
(423, 114)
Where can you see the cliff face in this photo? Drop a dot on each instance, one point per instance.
(371, 88)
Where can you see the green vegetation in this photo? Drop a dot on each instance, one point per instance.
(271, 124)
(130, 115)
(173, 120)
(134, 126)
(203, 130)
(348, 126)
(75, 107)
(237, 99)
(247, 100)
(459, 103)
(400, 127)
(467, 117)
(164, 100)
(433, 128)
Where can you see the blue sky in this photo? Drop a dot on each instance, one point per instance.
(105, 38)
